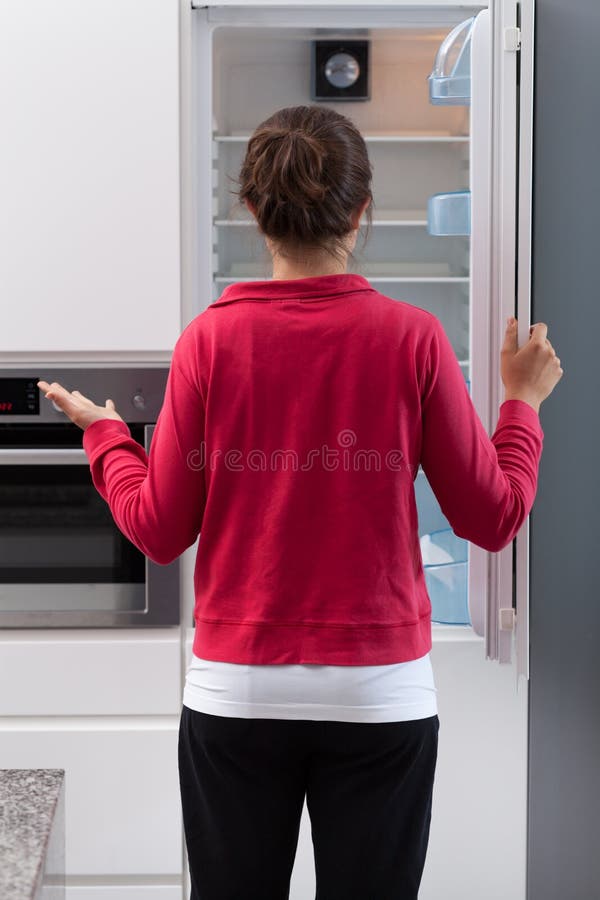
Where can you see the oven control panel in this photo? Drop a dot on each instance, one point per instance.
(19, 397)
(137, 393)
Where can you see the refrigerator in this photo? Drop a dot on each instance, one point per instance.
(564, 685)
(443, 95)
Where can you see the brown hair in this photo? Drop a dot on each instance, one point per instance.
(306, 173)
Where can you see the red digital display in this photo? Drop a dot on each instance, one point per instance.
(19, 397)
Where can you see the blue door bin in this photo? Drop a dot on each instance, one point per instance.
(450, 80)
(449, 214)
(445, 559)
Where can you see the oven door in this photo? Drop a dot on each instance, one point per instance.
(63, 561)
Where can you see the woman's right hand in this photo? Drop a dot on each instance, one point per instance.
(530, 372)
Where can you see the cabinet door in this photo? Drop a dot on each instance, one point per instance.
(90, 672)
(478, 838)
(89, 176)
(124, 892)
(122, 803)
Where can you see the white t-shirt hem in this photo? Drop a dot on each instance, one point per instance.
(320, 712)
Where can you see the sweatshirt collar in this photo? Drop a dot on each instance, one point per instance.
(319, 287)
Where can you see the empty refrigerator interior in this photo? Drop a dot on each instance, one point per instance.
(416, 149)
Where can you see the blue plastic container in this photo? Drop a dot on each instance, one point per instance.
(450, 79)
(445, 559)
(447, 582)
(449, 214)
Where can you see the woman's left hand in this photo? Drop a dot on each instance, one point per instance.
(80, 410)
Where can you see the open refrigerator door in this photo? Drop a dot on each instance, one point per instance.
(487, 63)
(507, 623)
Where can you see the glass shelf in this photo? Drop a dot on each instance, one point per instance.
(405, 218)
(374, 279)
(400, 137)
(230, 279)
(424, 279)
(374, 271)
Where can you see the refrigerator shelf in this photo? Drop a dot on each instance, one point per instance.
(384, 217)
(419, 279)
(374, 271)
(373, 137)
(375, 279)
(443, 633)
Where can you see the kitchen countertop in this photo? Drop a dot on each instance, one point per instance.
(31, 833)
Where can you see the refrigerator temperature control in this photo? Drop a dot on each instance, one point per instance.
(340, 70)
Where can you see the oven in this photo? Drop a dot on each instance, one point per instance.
(63, 561)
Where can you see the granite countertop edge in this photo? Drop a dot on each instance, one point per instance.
(28, 801)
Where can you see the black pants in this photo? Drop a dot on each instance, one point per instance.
(368, 789)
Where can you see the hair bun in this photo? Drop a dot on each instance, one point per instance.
(290, 167)
(306, 171)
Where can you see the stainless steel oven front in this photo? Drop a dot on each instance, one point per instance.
(63, 561)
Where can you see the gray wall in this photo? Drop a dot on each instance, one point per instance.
(564, 752)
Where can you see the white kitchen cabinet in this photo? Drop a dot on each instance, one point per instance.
(104, 705)
(79, 672)
(122, 804)
(124, 892)
(478, 838)
(89, 178)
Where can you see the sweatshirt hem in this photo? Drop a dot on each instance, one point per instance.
(266, 643)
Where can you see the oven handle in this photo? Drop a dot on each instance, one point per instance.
(55, 456)
(59, 456)
(32, 456)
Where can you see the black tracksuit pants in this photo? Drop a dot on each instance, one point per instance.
(368, 789)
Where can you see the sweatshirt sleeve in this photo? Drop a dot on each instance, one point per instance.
(157, 501)
(485, 486)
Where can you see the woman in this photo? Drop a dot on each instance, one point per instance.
(296, 414)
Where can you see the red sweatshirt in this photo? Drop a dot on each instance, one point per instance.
(295, 417)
